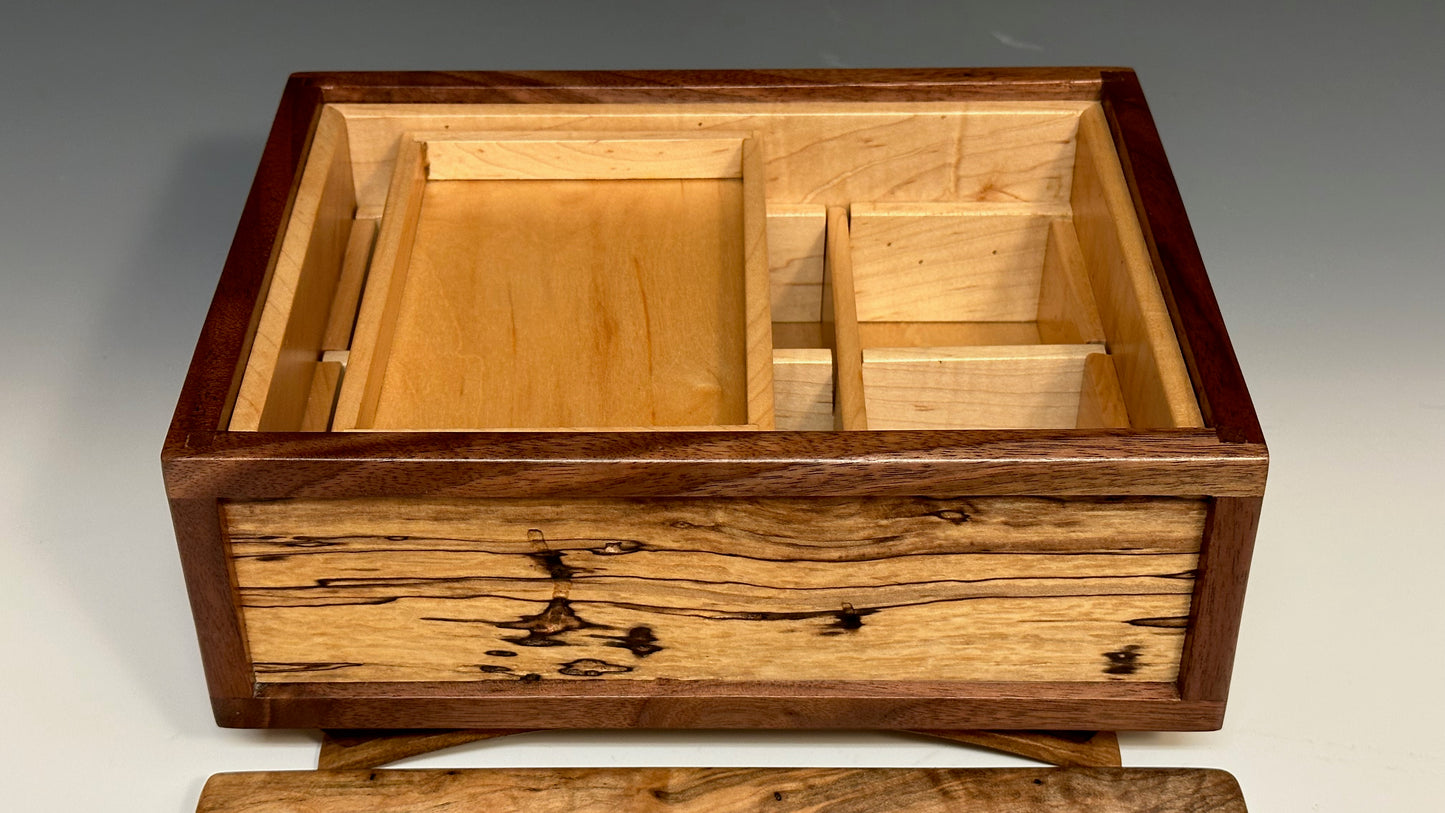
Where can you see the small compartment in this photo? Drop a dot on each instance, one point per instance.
(803, 381)
(1059, 386)
(974, 316)
(931, 275)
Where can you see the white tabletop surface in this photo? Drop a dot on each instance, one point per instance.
(1307, 144)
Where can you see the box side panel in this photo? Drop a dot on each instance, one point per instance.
(1003, 589)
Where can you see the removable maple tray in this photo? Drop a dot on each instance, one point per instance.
(546, 281)
(805, 401)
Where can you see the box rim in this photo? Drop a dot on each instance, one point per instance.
(195, 434)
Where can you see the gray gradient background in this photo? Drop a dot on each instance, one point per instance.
(1306, 142)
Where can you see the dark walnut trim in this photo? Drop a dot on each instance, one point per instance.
(570, 87)
(700, 705)
(219, 357)
(521, 464)
(1218, 604)
(1218, 382)
(206, 562)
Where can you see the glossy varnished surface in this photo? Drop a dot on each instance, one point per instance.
(1225, 461)
(770, 589)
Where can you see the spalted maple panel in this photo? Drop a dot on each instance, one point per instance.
(998, 589)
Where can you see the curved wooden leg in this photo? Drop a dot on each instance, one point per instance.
(1067, 749)
(373, 749)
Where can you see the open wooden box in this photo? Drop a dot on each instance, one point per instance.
(892, 399)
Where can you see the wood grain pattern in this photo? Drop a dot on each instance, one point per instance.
(825, 154)
(852, 704)
(1067, 749)
(947, 263)
(1132, 309)
(946, 334)
(864, 790)
(289, 331)
(342, 750)
(562, 156)
(529, 590)
(1009, 387)
(803, 389)
(795, 260)
(510, 318)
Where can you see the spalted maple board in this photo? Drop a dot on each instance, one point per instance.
(892, 399)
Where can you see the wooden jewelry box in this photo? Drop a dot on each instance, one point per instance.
(868, 399)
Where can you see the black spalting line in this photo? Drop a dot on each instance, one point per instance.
(501, 653)
(718, 615)
(351, 602)
(1124, 661)
(1168, 622)
(419, 581)
(282, 667)
(841, 552)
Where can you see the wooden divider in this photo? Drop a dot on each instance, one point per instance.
(1067, 312)
(1152, 376)
(1010, 387)
(842, 315)
(289, 333)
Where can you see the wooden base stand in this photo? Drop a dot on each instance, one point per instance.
(373, 749)
(1089, 780)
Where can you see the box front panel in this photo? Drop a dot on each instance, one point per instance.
(968, 589)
